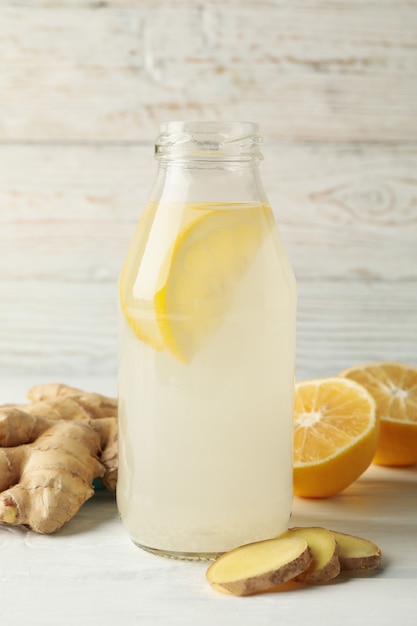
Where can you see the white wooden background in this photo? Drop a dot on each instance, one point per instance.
(84, 85)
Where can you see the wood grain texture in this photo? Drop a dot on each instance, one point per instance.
(83, 87)
(347, 214)
(345, 211)
(309, 71)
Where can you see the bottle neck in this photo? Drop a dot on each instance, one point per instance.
(208, 141)
(216, 181)
(208, 162)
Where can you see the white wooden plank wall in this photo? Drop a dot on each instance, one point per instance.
(83, 87)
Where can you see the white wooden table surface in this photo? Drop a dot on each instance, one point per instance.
(90, 573)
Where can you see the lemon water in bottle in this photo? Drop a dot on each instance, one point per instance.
(207, 338)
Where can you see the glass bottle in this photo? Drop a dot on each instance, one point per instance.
(207, 341)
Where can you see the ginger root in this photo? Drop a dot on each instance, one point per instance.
(51, 451)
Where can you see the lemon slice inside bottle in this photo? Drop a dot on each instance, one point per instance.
(139, 311)
(196, 277)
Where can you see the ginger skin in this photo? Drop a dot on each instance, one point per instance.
(51, 451)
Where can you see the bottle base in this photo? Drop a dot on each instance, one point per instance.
(181, 556)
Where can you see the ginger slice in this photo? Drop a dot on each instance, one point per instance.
(51, 450)
(259, 566)
(356, 553)
(322, 543)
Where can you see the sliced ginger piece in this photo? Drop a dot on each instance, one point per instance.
(324, 550)
(259, 566)
(356, 553)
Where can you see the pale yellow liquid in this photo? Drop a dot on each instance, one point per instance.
(206, 446)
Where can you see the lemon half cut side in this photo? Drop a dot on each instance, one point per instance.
(335, 435)
(394, 389)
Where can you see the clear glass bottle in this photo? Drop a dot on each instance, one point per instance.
(207, 342)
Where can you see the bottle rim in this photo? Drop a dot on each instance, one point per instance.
(199, 140)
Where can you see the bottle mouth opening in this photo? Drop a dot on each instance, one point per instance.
(209, 140)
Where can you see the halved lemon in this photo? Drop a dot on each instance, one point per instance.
(193, 276)
(394, 389)
(335, 435)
